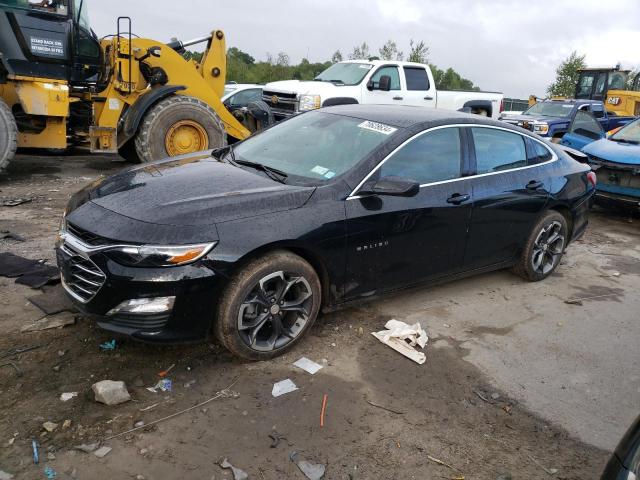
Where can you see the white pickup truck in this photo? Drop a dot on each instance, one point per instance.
(375, 82)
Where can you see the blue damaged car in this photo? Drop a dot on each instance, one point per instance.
(615, 158)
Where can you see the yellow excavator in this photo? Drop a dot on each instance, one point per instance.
(60, 85)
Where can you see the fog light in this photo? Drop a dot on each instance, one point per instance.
(144, 306)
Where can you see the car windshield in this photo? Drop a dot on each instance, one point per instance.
(316, 146)
(345, 73)
(629, 133)
(550, 109)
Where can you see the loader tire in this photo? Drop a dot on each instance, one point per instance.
(178, 125)
(8, 135)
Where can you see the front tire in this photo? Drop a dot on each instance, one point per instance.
(8, 135)
(268, 306)
(544, 248)
(178, 125)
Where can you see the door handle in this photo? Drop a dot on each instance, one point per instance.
(534, 185)
(428, 98)
(397, 98)
(458, 198)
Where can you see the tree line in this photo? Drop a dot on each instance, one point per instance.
(244, 68)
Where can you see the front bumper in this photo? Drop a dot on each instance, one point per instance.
(96, 284)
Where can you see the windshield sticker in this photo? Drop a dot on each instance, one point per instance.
(377, 127)
(366, 67)
(319, 170)
(329, 174)
(567, 106)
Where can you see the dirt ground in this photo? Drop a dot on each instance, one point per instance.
(386, 417)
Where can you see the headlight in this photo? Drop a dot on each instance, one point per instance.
(540, 128)
(309, 102)
(159, 256)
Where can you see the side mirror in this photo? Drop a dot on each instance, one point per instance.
(392, 186)
(385, 83)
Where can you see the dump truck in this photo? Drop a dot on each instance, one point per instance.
(61, 85)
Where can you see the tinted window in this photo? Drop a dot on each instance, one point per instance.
(586, 126)
(597, 110)
(391, 72)
(432, 157)
(537, 153)
(498, 150)
(417, 78)
(244, 97)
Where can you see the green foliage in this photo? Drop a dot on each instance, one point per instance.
(360, 52)
(389, 51)
(243, 68)
(418, 52)
(567, 76)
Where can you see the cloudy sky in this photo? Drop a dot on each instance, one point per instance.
(506, 45)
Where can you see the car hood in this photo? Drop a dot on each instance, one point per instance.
(533, 118)
(610, 151)
(302, 87)
(194, 190)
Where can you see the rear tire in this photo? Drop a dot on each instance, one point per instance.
(544, 247)
(178, 125)
(8, 135)
(268, 306)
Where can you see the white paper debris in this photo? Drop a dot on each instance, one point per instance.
(66, 396)
(282, 387)
(307, 365)
(402, 338)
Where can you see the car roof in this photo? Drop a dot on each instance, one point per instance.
(242, 86)
(404, 116)
(384, 62)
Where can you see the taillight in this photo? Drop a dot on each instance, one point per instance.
(593, 179)
(502, 105)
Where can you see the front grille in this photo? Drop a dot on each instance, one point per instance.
(282, 104)
(88, 237)
(82, 278)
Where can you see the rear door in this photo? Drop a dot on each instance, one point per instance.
(371, 94)
(397, 241)
(419, 91)
(583, 130)
(510, 190)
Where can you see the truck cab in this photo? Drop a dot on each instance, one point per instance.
(379, 82)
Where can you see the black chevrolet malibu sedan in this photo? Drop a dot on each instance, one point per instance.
(250, 243)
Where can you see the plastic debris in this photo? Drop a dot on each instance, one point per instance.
(55, 321)
(102, 452)
(14, 202)
(49, 472)
(164, 385)
(237, 473)
(66, 396)
(86, 448)
(34, 447)
(49, 426)
(110, 345)
(313, 471)
(5, 475)
(110, 392)
(307, 365)
(282, 387)
(164, 373)
(403, 338)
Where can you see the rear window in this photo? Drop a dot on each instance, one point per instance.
(498, 150)
(417, 78)
(537, 153)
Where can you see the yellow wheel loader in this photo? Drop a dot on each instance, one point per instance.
(612, 86)
(60, 85)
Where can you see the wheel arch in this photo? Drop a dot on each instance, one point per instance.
(134, 115)
(303, 251)
(566, 213)
(480, 105)
(329, 102)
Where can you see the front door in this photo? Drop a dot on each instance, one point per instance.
(398, 241)
(371, 93)
(583, 130)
